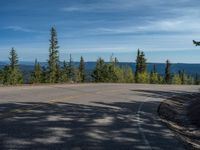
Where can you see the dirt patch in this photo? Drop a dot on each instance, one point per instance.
(181, 113)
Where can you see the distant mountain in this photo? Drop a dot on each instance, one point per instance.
(188, 68)
(191, 69)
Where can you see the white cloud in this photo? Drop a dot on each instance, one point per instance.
(70, 9)
(108, 6)
(18, 28)
(183, 26)
(176, 26)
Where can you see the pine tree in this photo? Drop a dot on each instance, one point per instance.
(109, 72)
(12, 73)
(82, 70)
(77, 77)
(116, 61)
(161, 79)
(196, 80)
(71, 69)
(113, 73)
(176, 79)
(53, 62)
(189, 80)
(154, 76)
(128, 75)
(143, 66)
(141, 75)
(119, 74)
(167, 72)
(137, 64)
(64, 72)
(99, 72)
(6, 75)
(112, 59)
(36, 76)
(154, 68)
(44, 75)
(1, 76)
(58, 73)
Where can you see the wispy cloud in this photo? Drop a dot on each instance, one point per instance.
(142, 17)
(19, 28)
(174, 26)
(103, 6)
(70, 9)
(102, 25)
(141, 6)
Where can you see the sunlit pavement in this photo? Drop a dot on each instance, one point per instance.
(86, 116)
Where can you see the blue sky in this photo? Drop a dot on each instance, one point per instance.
(94, 28)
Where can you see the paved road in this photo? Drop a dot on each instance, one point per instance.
(86, 116)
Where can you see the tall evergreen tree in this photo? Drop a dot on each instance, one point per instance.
(189, 79)
(161, 79)
(12, 73)
(36, 76)
(58, 73)
(82, 70)
(137, 64)
(196, 80)
(154, 68)
(141, 75)
(53, 61)
(154, 76)
(64, 72)
(6, 75)
(142, 65)
(71, 69)
(167, 72)
(128, 75)
(1, 76)
(183, 77)
(44, 75)
(98, 73)
(109, 72)
(116, 61)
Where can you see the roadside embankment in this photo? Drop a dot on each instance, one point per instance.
(181, 113)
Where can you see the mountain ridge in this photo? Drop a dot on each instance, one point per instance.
(90, 65)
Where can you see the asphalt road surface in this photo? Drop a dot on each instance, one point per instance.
(86, 116)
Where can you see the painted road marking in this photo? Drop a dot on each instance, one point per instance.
(139, 125)
(147, 143)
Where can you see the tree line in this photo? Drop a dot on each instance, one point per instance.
(112, 71)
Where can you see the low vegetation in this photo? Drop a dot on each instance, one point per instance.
(66, 72)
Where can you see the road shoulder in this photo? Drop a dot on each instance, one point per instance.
(175, 112)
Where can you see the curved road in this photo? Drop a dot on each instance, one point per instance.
(86, 116)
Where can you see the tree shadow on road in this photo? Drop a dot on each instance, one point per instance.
(57, 126)
(180, 111)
